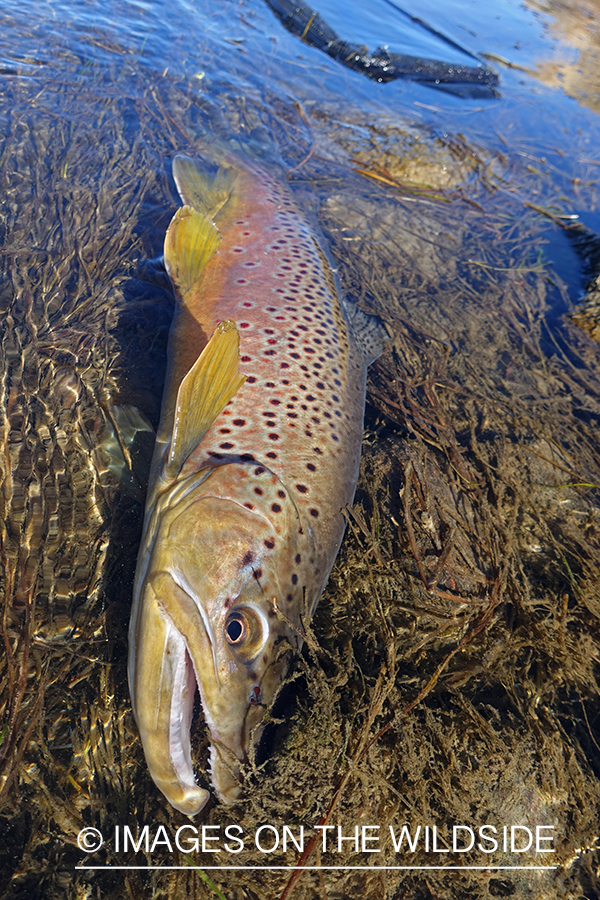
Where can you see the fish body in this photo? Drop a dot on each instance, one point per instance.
(257, 454)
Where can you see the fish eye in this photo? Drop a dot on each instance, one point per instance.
(235, 628)
(244, 631)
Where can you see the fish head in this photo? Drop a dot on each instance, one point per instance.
(219, 608)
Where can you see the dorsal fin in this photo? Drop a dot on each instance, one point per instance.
(370, 335)
(205, 392)
(190, 241)
(197, 187)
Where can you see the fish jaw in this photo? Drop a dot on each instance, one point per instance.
(203, 618)
(163, 688)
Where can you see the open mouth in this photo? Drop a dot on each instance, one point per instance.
(180, 723)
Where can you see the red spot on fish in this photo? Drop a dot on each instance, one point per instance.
(255, 695)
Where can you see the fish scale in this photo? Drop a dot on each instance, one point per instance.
(299, 411)
(244, 515)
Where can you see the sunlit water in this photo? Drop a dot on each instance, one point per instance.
(213, 48)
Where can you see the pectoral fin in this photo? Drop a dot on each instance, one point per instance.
(205, 392)
(190, 242)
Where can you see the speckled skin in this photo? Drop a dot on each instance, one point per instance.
(300, 412)
(281, 461)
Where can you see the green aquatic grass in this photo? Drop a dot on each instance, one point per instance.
(189, 861)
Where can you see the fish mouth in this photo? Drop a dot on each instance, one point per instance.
(198, 534)
(163, 691)
(174, 644)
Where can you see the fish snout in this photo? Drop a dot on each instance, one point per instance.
(163, 689)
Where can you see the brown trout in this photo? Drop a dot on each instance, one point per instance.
(257, 454)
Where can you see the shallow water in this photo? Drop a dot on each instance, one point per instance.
(463, 614)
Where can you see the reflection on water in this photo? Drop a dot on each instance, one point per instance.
(575, 63)
(460, 628)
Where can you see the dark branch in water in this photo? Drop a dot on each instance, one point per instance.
(381, 65)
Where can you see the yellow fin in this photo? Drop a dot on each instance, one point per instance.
(190, 241)
(205, 392)
(198, 188)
